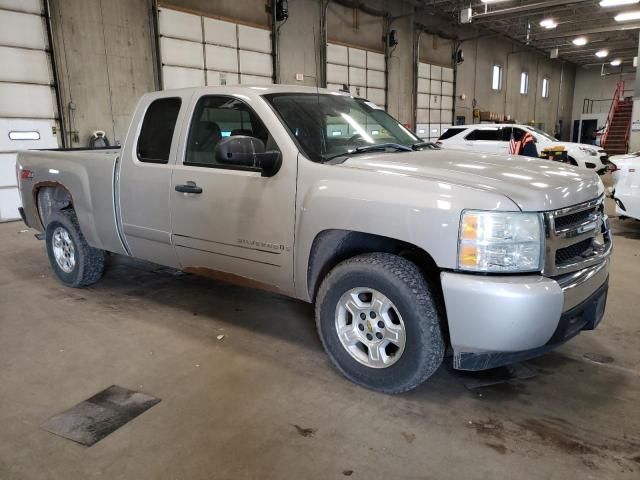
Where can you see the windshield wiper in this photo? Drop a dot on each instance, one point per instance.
(377, 147)
(425, 146)
(382, 146)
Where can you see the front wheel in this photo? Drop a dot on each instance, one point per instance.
(378, 323)
(74, 261)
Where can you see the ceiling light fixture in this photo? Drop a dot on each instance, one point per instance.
(616, 62)
(493, 1)
(626, 16)
(602, 53)
(617, 3)
(580, 41)
(549, 23)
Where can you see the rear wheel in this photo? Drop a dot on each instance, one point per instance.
(74, 261)
(379, 324)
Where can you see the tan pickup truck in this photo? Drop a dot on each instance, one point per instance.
(408, 252)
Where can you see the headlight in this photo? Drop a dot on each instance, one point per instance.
(588, 150)
(500, 242)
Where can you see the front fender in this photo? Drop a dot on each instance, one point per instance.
(420, 211)
(582, 158)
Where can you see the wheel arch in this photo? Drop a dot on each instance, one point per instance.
(50, 197)
(330, 247)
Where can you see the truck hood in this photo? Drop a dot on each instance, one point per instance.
(532, 184)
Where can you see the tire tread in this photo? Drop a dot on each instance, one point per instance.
(91, 260)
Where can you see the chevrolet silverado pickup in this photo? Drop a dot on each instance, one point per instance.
(409, 253)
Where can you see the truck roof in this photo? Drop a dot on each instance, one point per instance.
(257, 89)
(489, 125)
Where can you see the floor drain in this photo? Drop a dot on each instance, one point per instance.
(95, 418)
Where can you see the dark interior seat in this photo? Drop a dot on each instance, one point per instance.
(207, 137)
(242, 131)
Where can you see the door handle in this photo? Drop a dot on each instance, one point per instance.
(189, 187)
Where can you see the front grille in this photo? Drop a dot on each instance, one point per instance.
(572, 219)
(577, 237)
(574, 252)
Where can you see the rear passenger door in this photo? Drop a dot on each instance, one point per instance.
(144, 178)
(487, 139)
(240, 224)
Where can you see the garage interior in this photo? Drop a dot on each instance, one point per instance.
(245, 388)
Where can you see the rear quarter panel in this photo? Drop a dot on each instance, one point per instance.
(88, 176)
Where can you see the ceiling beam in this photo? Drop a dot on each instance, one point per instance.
(561, 13)
(588, 31)
(607, 46)
(593, 44)
(594, 59)
(526, 8)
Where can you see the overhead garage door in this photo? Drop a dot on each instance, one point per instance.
(27, 99)
(197, 50)
(435, 100)
(361, 70)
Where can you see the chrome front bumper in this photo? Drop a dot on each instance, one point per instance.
(496, 320)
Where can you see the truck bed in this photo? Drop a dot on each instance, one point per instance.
(88, 175)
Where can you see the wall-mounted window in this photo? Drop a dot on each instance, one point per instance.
(496, 77)
(24, 135)
(545, 87)
(524, 83)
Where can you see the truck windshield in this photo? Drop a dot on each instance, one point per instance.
(329, 125)
(543, 134)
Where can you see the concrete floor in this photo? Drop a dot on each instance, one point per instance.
(264, 402)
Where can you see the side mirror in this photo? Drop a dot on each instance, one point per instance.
(246, 151)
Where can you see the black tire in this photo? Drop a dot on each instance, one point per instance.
(401, 282)
(89, 261)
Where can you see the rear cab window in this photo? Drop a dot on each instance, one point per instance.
(158, 126)
(451, 132)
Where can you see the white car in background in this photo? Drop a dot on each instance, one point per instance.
(625, 170)
(494, 138)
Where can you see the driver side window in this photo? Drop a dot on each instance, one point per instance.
(218, 117)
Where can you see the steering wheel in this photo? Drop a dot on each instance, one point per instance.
(354, 137)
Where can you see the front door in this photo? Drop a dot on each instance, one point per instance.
(239, 225)
(586, 132)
